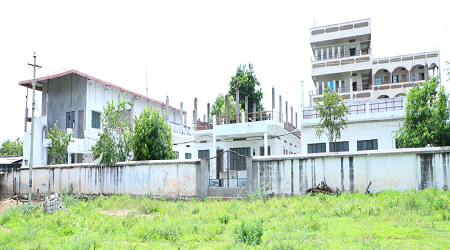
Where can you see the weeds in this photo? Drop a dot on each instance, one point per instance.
(386, 220)
(249, 233)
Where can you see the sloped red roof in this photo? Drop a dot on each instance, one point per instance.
(63, 72)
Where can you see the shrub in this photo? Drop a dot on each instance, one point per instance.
(249, 233)
(224, 218)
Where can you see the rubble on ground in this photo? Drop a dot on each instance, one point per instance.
(323, 188)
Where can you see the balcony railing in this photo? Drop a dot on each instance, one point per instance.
(373, 106)
(344, 89)
(341, 55)
(78, 134)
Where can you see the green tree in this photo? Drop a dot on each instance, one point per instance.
(245, 80)
(59, 141)
(152, 138)
(219, 104)
(114, 142)
(333, 116)
(12, 147)
(426, 117)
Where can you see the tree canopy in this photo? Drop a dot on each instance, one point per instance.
(59, 141)
(114, 142)
(152, 138)
(426, 119)
(333, 116)
(12, 147)
(245, 80)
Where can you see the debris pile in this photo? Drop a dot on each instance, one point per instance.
(323, 188)
(53, 204)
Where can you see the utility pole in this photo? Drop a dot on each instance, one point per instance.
(30, 169)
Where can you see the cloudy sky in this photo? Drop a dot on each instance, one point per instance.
(192, 48)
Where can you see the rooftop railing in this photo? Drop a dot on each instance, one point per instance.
(237, 118)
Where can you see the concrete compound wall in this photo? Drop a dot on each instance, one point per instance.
(399, 169)
(406, 169)
(151, 178)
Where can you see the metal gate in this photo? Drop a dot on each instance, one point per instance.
(228, 169)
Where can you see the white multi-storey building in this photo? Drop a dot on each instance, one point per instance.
(373, 89)
(76, 101)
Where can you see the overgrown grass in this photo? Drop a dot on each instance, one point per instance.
(387, 220)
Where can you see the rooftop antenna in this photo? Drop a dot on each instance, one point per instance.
(146, 83)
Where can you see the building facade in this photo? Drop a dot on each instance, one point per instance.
(372, 88)
(75, 102)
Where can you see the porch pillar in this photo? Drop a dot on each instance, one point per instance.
(266, 142)
(351, 86)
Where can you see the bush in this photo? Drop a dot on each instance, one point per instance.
(249, 233)
(224, 218)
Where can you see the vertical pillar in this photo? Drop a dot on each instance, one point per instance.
(292, 115)
(273, 98)
(238, 106)
(254, 111)
(281, 110)
(323, 88)
(316, 54)
(333, 54)
(328, 53)
(195, 109)
(185, 120)
(208, 112)
(181, 113)
(287, 113)
(351, 86)
(321, 54)
(266, 146)
(296, 124)
(246, 108)
(339, 51)
(227, 109)
(204, 118)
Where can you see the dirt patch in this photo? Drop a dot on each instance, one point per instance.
(5, 229)
(6, 203)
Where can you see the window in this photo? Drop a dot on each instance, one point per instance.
(70, 119)
(317, 148)
(394, 79)
(177, 155)
(95, 119)
(340, 146)
(261, 151)
(238, 162)
(368, 145)
(378, 81)
(203, 154)
(353, 51)
(187, 156)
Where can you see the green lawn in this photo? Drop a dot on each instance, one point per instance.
(387, 220)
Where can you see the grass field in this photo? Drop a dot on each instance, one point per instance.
(387, 220)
